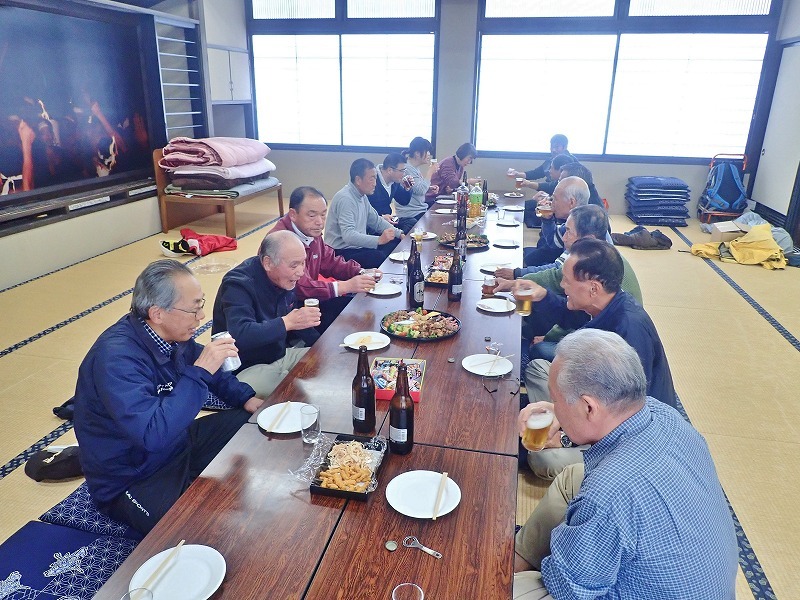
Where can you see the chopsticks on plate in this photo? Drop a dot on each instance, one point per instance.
(438, 502)
(492, 360)
(279, 416)
(164, 564)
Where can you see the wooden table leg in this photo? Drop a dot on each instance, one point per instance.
(280, 198)
(230, 220)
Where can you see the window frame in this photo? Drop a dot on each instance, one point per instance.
(342, 25)
(619, 24)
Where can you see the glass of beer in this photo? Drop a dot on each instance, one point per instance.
(407, 182)
(418, 233)
(537, 428)
(518, 183)
(489, 285)
(313, 302)
(524, 298)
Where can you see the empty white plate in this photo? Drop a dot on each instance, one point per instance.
(491, 268)
(195, 573)
(497, 305)
(399, 256)
(371, 339)
(446, 201)
(487, 364)
(413, 494)
(290, 421)
(385, 289)
(515, 208)
(444, 211)
(508, 223)
(506, 244)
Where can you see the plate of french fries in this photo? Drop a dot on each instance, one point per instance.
(371, 339)
(349, 469)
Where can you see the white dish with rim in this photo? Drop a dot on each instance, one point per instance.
(374, 340)
(487, 365)
(447, 201)
(429, 235)
(508, 223)
(399, 256)
(413, 494)
(514, 208)
(290, 421)
(385, 289)
(195, 573)
(491, 268)
(506, 244)
(513, 195)
(444, 211)
(497, 305)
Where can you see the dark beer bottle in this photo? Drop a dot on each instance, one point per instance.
(455, 279)
(401, 415)
(485, 200)
(411, 262)
(363, 395)
(416, 279)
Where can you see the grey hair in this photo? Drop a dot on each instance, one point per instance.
(601, 364)
(590, 220)
(155, 286)
(575, 187)
(273, 243)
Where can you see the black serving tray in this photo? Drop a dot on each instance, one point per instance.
(368, 444)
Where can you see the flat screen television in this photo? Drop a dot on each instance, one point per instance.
(73, 111)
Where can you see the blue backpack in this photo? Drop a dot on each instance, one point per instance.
(724, 190)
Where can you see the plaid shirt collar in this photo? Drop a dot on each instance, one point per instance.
(164, 347)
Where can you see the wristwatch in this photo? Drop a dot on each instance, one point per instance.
(565, 441)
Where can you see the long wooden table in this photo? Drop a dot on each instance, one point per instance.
(279, 541)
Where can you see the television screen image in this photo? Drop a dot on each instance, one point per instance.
(72, 105)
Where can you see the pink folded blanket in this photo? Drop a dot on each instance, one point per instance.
(218, 151)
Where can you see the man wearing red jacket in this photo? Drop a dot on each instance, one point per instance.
(306, 218)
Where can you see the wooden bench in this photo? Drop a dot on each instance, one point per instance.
(198, 207)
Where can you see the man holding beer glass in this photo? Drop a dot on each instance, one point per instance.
(643, 515)
(592, 279)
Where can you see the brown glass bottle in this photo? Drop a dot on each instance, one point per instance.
(416, 278)
(363, 395)
(455, 279)
(401, 415)
(485, 190)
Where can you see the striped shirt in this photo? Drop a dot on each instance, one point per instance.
(650, 521)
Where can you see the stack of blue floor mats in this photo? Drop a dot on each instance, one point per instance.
(657, 200)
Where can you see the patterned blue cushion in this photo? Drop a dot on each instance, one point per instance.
(49, 562)
(79, 512)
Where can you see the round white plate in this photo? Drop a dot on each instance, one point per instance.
(506, 244)
(290, 421)
(413, 494)
(399, 256)
(385, 289)
(195, 573)
(376, 340)
(485, 364)
(429, 235)
(513, 195)
(491, 268)
(515, 208)
(444, 211)
(445, 201)
(508, 223)
(497, 305)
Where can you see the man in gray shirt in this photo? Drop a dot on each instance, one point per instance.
(350, 216)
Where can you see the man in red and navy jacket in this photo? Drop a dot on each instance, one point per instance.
(306, 219)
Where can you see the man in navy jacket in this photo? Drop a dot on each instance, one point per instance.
(139, 390)
(256, 304)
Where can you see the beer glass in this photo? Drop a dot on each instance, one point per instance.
(518, 183)
(489, 285)
(418, 233)
(524, 298)
(313, 302)
(537, 428)
(309, 424)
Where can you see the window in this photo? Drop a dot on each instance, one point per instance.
(646, 81)
(323, 77)
(300, 99)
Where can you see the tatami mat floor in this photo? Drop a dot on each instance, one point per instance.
(734, 371)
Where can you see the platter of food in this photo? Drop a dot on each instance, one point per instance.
(349, 469)
(438, 274)
(514, 195)
(474, 241)
(421, 324)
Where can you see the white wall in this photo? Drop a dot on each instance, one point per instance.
(789, 27)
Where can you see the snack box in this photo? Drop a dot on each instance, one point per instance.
(369, 444)
(384, 372)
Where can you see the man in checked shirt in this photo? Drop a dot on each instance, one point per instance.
(644, 516)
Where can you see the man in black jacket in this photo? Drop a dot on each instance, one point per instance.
(390, 186)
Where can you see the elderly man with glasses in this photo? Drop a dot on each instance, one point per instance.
(138, 394)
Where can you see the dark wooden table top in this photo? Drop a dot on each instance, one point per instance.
(476, 539)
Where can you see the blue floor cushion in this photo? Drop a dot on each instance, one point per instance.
(79, 512)
(50, 562)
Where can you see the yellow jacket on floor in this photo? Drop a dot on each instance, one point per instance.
(755, 247)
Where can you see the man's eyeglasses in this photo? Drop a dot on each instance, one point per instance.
(491, 384)
(192, 312)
